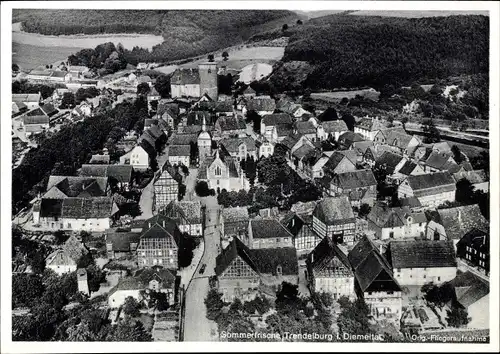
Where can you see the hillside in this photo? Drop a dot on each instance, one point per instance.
(186, 33)
(358, 51)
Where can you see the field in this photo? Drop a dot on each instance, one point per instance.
(337, 96)
(129, 40)
(239, 57)
(29, 56)
(415, 14)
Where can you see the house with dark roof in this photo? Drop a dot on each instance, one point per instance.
(121, 243)
(91, 214)
(306, 128)
(240, 148)
(194, 83)
(234, 222)
(179, 155)
(437, 162)
(338, 163)
(314, 161)
(472, 293)
(100, 159)
(139, 285)
(329, 270)
(348, 138)
(431, 189)
(333, 217)
(396, 223)
(262, 106)
(375, 282)
(34, 124)
(167, 182)
(188, 215)
(398, 140)
(168, 111)
(275, 120)
(409, 168)
(222, 171)
(29, 100)
(59, 187)
(226, 126)
(474, 248)
(121, 175)
(267, 233)
(300, 226)
(454, 223)
(331, 129)
(390, 162)
(417, 262)
(244, 273)
(159, 243)
(360, 186)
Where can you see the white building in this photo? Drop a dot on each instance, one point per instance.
(431, 190)
(138, 158)
(420, 262)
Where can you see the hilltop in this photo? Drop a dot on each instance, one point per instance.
(186, 33)
(357, 51)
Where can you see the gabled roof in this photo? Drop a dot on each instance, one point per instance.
(427, 181)
(306, 127)
(355, 179)
(460, 220)
(469, 288)
(79, 186)
(293, 223)
(334, 161)
(121, 173)
(370, 267)
(140, 280)
(332, 209)
(179, 150)
(171, 170)
(26, 97)
(407, 168)
(348, 138)
(261, 104)
(371, 124)
(334, 126)
(169, 107)
(96, 159)
(268, 228)
(160, 226)
(196, 118)
(439, 161)
(232, 144)
(120, 241)
(277, 119)
(422, 254)
(39, 119)
(227, 123)
(235, 214)
(235, 249)
(268, 260)
(290, 141)
(182, 139)
(389, 161)
(190, 211)
(323, 254)
(385, 217)
(302, 151)
(78, 208)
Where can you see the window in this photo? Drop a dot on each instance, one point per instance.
(279, 271)
(218, 171)
(278, 240)
(425, 276)
(391, 234)
(439, 278)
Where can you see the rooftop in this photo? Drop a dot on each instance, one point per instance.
(422, 254)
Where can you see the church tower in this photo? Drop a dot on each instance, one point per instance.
(208, 80)
(204, 143)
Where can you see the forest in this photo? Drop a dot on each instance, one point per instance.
(359, 51)
(186, 33)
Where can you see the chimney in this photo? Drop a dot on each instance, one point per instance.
(459, 216)
(149, 224)
(381, 249)
(163, 223)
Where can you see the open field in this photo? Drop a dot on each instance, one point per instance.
(29, 56)
(128, 40)
(337, 96)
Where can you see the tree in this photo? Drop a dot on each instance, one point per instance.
(326, 298)
(404, 120)
(131, 307)
(457, 317)
(225, 55)
(349, 120)
(129, 331)
(26, 290)
(284, 27)
(299, 22)
(210, 58)
(201, 188)
(364, 210)
(214, 304)
(143, 88)
(329, 114)
(15, 67)
(67, 101)
(162, 85)
(465, 193)
(457, 154)
(438, 295)
(255, 118)
(185, 254)
(354, 317)
(95, 276)
(432, 133)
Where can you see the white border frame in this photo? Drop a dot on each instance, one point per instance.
(50, 347)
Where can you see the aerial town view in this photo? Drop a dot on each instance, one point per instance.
(250, 176)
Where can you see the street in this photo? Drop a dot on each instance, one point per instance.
(197, 327)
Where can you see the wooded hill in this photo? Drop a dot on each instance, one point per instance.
(186, 32)
(353, 51)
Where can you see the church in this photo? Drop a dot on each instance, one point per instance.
(194, 83)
